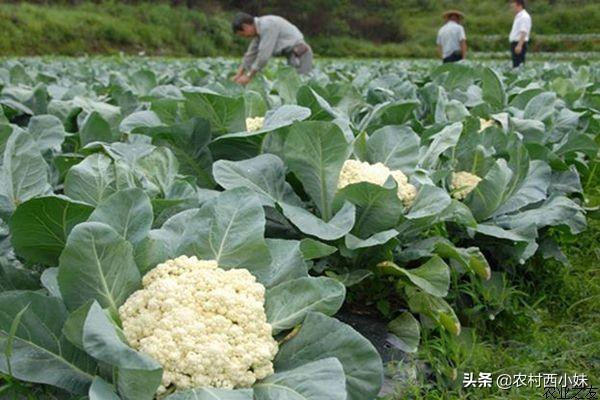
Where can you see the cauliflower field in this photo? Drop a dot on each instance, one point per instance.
(167, 234)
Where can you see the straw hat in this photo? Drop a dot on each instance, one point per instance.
(450, 13)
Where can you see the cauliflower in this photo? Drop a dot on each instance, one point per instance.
(254, 124)
(485, 123)
(206, 326)
(406, 191)
(463, 183)
(355, 171)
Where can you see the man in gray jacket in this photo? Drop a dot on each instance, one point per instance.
(271, 36)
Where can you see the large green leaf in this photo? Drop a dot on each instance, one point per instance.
(378, 208)
(138, 375)
(435, 308)
(288, 303)
(102, 390)
(159, 169)
(283, 116)
(96, 129)
(236, 149)
(521, 99)
(407, 332)
(315, 152)
(490, 193)
(73, 326)
(233, 233)
(501, 233)
(188, 141)
(92, 180)
(433, 276)
(49, 280)
(212, 394)
(287, 262)
(442, 141)
(430, 201)
(170, 240)
(256, 104)
(389, 114)
(540, 107)
(110, 113)
(139, 120)
(39, 227)
(16, 277)
(557, 210)
(470, 259)
(533, 189)
(337, 227)
(97, 263)
(275, 119)
(397, 147)
(353, 243)
(348, 277)
(533, 131)
(264, 174)
(24, 173)
(320, 109)
(493, 89)
(318, 380)
(312, 249)
(47, 131)
(287, 83)
(322, 337)
(577, 142)
(39, 352)
(143, 81)
(225, 114)
(228, 229)
(128, 212)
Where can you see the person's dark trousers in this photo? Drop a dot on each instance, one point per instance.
(454, 57)
(518, 59)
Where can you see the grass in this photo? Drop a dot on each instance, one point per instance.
(546, 321)
(108, 27)
(112, 28)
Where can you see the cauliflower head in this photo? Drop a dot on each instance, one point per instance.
(206, 326)
(485, 123)
(406, 191)
(355, 171)
(254, 124)
(463, 183)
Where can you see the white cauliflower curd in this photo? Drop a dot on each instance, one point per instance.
(206, 326)
(463, 183)
(254, 124)
(485, 123)
(355, 171)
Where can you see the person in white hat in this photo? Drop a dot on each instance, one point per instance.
(271, 36)
(451, 38)
(519, 34)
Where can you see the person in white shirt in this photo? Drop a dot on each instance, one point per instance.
(451, 38)
(519, 34)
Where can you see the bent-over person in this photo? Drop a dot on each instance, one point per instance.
(271, 36)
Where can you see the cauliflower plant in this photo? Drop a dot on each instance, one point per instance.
(463, 183)
(355, 171)
(206, 326)
(254, 124)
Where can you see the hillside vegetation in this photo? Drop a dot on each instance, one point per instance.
(339, 28)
